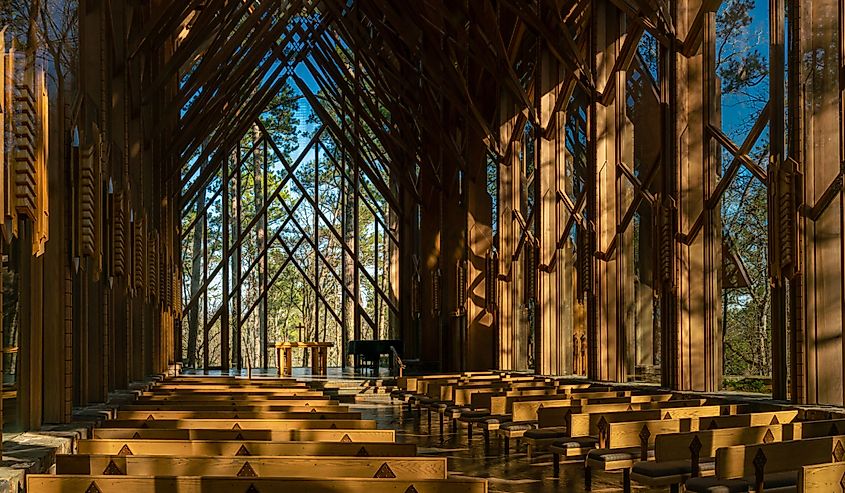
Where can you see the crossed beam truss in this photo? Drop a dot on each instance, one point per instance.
(428, 89)
(297, 237)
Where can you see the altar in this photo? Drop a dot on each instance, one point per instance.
(319, 356)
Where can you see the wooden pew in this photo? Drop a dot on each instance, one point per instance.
(598, 425)
(244, 424)
(814, 429)
(619, 436)
(185, 448)
(228, 379)
(165, 386)
(821, 477)
(320, 400)
(502, 402)
(289, 466)
(774, 464)
(153, 415)
(193, 484)
(748, 420)
(679, 456)
(455, 397)
(254, 383)
(332, 435)
(524, 408)
(629, 442)
(554, 419)
(243, 408)
(244, 393)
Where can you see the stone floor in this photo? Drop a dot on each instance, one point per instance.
(511, 474)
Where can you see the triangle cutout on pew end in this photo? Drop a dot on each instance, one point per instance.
(247, 471)
(113, 470)
(252, 489)
(92, 488)
(136, 435)
(236, 426)
(362, 452)
(411, 489)
(242, 451)
(346, 438)
(125, 450)
(384, 472)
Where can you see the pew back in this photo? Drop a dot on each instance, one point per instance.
(289, 466)
(193, 484)
(739, 461)
(188, 448)
(681, 446)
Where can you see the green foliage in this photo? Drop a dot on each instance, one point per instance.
(749, 385)
(743, 71)
(739, 62)
(280, 119)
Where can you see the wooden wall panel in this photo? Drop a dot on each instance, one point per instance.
(820, 55)
(479, 320)
(698, 253)
(556, 293)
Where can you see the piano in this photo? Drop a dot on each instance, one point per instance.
(366, 354)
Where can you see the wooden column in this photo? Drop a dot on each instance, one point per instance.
(429, 252)
(479, 240)
(696, 342)
(513, 335)
(819, 366)
(613, 144)
(555, 275)
(452, 255)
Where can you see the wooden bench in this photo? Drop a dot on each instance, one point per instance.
(288, 466)
(748, 420)
(623, 441)
(597, 426)
(153, 415)
(768, 466)
(193, 484)
(554, 419)
(322, 400)
(332, 435)
(523, 409)
(457, 399)
(681, 456)
(628, 443)
(252, 384)
(243, 424)
(185, 448)
(821, 477)
(814, 429)
(243, 392)
(234, 407)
